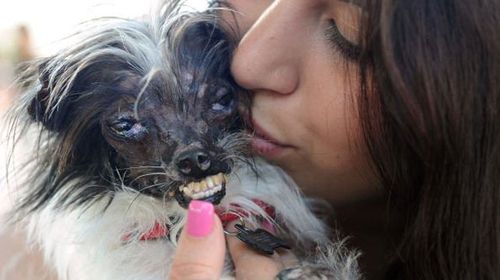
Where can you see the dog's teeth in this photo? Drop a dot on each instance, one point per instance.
(198, 195)
(217, 179)
(205, 188)
(210, 182)
(203, 185)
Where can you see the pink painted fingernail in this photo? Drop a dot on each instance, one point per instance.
(200, 220)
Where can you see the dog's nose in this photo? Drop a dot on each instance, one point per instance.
(193, 163)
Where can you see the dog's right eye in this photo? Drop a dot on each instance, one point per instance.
(122, 126)
(128, 128)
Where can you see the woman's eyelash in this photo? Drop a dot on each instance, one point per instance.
(346, 47)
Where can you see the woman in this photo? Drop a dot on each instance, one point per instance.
(390, 111)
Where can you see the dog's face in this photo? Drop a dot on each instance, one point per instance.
(169, 145)
(173, 144)
(160, 116)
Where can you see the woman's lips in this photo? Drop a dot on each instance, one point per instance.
(265, 145)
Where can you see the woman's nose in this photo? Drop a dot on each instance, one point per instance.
(269, 55)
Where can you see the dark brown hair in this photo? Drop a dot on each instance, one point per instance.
(430, 113)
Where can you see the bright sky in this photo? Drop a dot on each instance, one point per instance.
(51, 20)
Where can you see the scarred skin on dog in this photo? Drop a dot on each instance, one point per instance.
(133, 121)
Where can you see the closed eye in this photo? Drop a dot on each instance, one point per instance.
(122, 126)
(128, 128)
(346, 47)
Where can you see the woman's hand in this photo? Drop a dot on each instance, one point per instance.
(201, 250)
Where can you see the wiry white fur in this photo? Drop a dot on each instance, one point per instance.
(87, 243)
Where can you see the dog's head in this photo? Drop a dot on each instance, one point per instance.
(141, 105)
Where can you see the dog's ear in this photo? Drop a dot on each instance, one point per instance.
(53, 92)
(198, 38)
(204, 46)
(39, 107)
(61, 84)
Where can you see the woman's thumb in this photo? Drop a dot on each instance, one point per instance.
(201, 249)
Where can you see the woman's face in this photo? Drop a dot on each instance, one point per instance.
(298, 59)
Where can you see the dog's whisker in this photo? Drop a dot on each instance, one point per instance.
(151, 186)
(147, 175)
(132, 202)
(142, 167)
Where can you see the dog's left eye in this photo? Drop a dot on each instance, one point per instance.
(128, 128)
(224, 100)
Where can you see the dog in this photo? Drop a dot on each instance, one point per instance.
(131, 123)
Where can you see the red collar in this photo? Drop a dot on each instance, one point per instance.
(227, 217)
(160, 231)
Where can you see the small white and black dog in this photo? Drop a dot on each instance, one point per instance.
(131, 123)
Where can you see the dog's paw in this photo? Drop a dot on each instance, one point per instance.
(312, 272)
